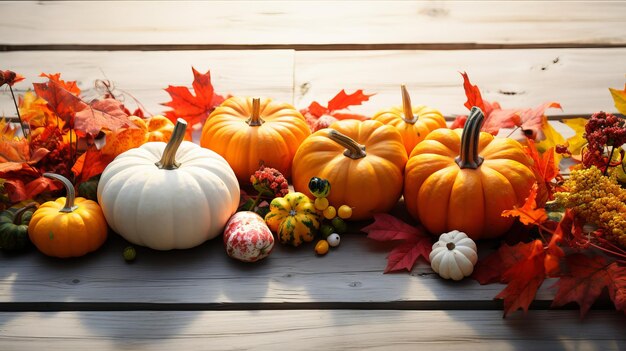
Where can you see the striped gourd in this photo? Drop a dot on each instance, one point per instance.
(293, 218)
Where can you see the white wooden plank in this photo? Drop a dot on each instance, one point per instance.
(145, 75)
(311, 329)
(311, 22)
(352, 273)
(577, 78)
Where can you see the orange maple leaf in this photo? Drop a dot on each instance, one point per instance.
(528, 213)
(193, 109)
(61, 101)
(318, 116)
(69, 85)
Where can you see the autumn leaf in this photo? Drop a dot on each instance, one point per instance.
(15, 153)
(60, 100)
(193, 109)
(617, 291)
(474, 97)
(534, 120)
(107, 114)
(71, 85)
(491, 268)
(415, 242)
(318, 116)
(529, 213)
(587, 277)
(552, 139)
(9, 78)
(90, 163)
(619, 97)
(18, 191)
(524, 278)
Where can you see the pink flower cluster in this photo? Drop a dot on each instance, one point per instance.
(269, 181)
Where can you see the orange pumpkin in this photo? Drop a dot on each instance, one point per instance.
(463, 179)
(156, 128)
(364, 162)
(68, 226)
(413, 122)
(248, 132)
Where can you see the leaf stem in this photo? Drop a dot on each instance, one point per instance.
(17, 109)
(606, 169)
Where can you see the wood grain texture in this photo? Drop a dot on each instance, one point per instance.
(577, 78)
(311, 329)
(207, 277)
(145, 75)
(307, 22)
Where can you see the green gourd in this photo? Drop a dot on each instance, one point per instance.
(14, 227)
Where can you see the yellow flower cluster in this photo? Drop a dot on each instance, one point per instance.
(599, 200)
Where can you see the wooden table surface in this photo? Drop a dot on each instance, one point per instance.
(519, 53)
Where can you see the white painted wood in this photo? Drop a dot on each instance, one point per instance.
(312, 22)
(311, 330)
(577, 78)
(145, 75)
(351, 273)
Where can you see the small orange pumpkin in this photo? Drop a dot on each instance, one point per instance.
(413, 122)
(248, 132)
(463, 179)
(363, 161)
(68, 226)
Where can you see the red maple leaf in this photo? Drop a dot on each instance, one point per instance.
(193, 109)
(20, 191)
(107, 114)
(617, 291)
(415, 241)
(530, 120)
(319, 116)
(91, 163)
(529, 213)
(587, 277)
(9, 78)
(545, 169)
(524, 278)
(60, 100)
(69, 85)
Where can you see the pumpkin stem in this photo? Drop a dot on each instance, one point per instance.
(255, 120)
(168, 159)
(353, 149)
(69, 189)
(17, 220)
(409, 117)
(469, 157)
(450, 246)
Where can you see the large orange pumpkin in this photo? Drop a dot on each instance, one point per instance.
(364, 162)
(413, 122)
(463, 179)
(248, 132)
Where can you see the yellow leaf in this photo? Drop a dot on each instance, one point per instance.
(552, 138)
(619, 97)
(576, 142)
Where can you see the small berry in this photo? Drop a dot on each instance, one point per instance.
(330, 212)
(334, 239)
(326, 230)
(321, 203)
(340, 225)
(344, 211)
(129, 254)
(321, 248)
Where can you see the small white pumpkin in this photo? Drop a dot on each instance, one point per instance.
(454, 255)
(168, 196)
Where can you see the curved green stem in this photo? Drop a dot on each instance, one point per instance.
(168, 159)
(469, 157)
(17, 220)
(353, 149)
(69, 188)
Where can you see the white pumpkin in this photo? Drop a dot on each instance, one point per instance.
(454, 255)
(168, 196)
